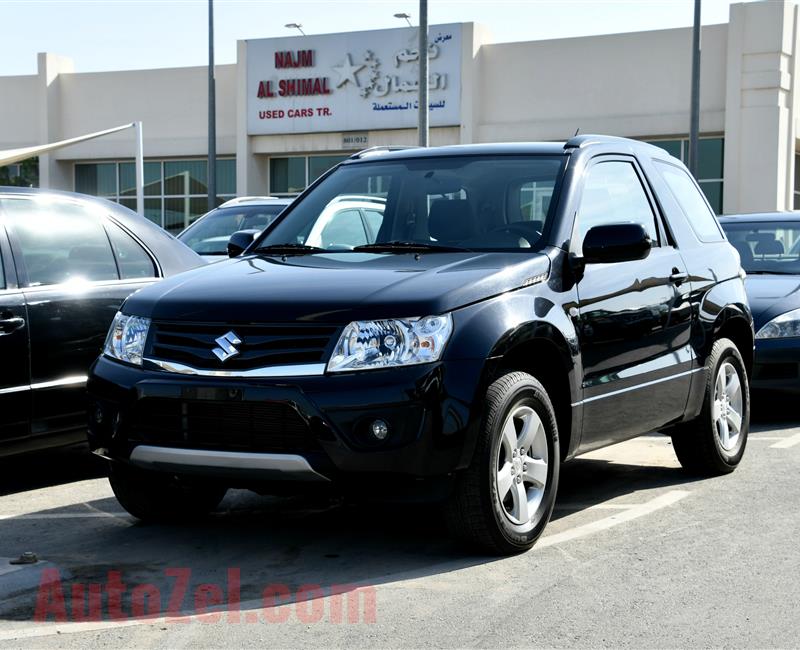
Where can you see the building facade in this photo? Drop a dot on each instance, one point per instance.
(290, 108)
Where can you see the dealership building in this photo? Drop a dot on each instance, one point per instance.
(291, 107)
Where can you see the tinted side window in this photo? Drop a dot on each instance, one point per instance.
(2, 273)
(132, 259)
(613, 193)
(344, 229)
(691, 202)
(60, 241)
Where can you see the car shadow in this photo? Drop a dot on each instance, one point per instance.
(772, 408)
(48, 468)
(289, 541)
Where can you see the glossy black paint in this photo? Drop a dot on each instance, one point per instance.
(621, 242)
(64, 329)
(240, 240)
(620, 347)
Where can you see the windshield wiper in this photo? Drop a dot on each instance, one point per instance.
(290, 249)
(771, 272)
(407, 246)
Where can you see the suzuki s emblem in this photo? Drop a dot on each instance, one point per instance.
(227, 346)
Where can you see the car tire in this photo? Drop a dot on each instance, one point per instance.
(714, 442)
(502, 502)
(162, 498)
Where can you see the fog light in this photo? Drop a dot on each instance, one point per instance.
(380, 429)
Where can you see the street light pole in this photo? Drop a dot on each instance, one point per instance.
(423, 73)
(694, 119)
(212, 114)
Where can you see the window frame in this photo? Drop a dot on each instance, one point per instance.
(158, 271)
(664, 239)
(308, 181)
(162, 196)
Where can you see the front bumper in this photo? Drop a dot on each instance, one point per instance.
(257, 429)
(777, 365)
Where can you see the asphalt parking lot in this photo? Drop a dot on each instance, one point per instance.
(637, 555)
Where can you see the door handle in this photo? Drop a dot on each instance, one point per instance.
(678, 277)
(8, 325)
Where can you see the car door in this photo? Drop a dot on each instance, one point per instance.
(15, 390)
(634, 317)
(75, 267)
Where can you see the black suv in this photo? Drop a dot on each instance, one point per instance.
(509, 307)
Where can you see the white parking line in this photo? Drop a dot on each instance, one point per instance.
(631, 513)
(65, 515)
(766, 438)
(785, 443)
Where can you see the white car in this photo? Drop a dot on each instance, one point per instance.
(350, 220)
(209, 235)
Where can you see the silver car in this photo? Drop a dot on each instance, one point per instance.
(209, 235)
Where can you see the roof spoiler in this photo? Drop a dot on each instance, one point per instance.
(371, 151)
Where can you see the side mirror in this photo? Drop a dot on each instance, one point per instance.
(617, 242)
(240, 240)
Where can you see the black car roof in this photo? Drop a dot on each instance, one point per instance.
(505, 148)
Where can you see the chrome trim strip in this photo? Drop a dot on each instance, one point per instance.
(299, 370)
(283, 466)
(66, 381)
(636, 387)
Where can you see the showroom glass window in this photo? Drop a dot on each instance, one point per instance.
(291, 175)
(175, 191)
(711, 155)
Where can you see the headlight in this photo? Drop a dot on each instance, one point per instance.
(785, 325)
(388, 343)
(125, 340)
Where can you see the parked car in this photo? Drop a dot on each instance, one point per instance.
(769, 248)
(209, 235)
(66, 264)
(484, 337)
(347, 222)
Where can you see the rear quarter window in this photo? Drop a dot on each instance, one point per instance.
(691, 202)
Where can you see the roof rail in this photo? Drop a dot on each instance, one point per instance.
(370, 151)
(586, 139)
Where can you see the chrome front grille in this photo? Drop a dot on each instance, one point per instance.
(256, 346)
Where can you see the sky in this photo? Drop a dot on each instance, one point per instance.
(102, 35)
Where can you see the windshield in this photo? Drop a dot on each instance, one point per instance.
(766, 247)
(209, 235)
(465, 202)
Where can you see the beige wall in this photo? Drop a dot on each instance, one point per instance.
(633, 85)
(171, 103)
(622, 84)
(19, 125)
(762, 100)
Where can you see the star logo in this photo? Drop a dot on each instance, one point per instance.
(347, 71)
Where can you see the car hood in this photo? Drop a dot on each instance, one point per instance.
(335, 287)
(772, 295)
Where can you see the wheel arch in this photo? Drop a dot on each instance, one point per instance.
(540, 350)
(732, 323)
